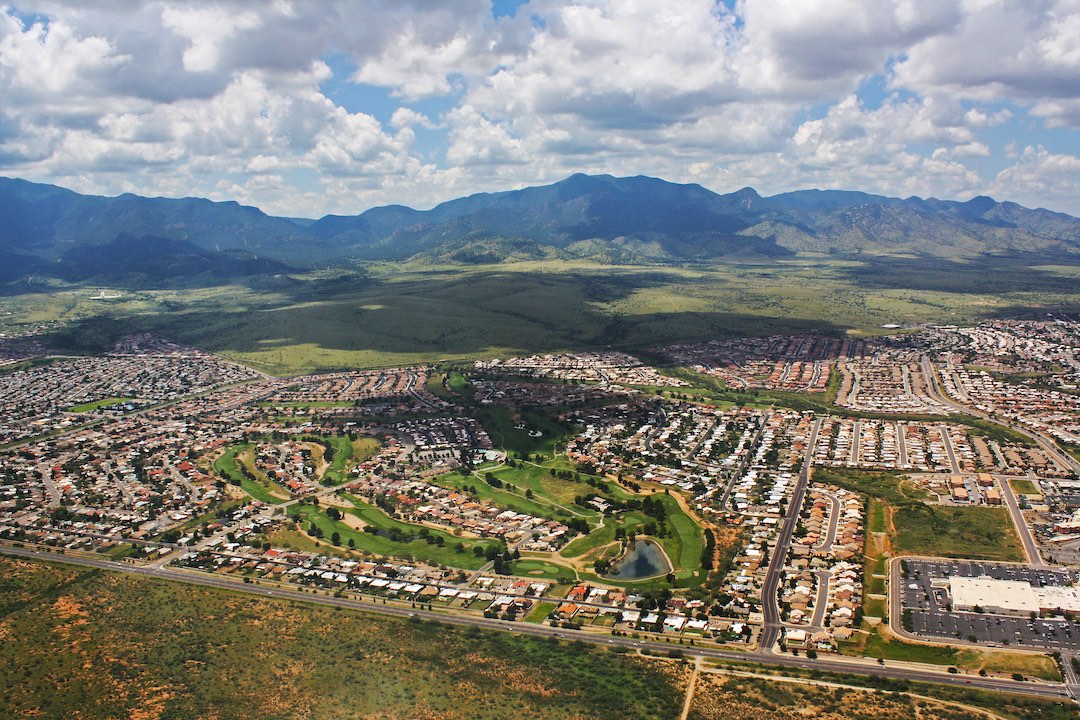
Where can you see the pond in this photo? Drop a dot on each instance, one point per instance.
(644, 560)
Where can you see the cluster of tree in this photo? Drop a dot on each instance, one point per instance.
(501, 562)
(396, 534)
(654, 599)
(578, 525)
(709, 550)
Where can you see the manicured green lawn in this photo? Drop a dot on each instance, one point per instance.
(542, 569)
(540, 612)
(376, 544)
(630, 521)
(686, 546)
(343, 454)
(501, 426)
(91, 406)
(228, 467)
(515, 500)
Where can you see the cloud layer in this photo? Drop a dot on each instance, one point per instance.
(307, 108)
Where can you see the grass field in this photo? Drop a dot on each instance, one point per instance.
(391, 315)
(539, 505)
(542, 569)
(381, 545)
(501, 426)
(684, 547)
(97, 646)
(540, 612)
(975, 533)
(343, 458)
(876, 645)
(1023, 486)
(631, 521)
(874, 607)
(91, 406)
(228, 466)
(876, 517)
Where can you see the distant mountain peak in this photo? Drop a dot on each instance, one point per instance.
(638, 219)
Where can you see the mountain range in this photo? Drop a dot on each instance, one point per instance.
(45, 229)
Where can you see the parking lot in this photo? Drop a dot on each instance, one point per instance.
(996, 629)
(927, 613)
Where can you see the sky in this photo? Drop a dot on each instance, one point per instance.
(304, 108)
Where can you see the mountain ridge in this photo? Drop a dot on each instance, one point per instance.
(609, 219)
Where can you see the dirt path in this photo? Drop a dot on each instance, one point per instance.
(690, 689)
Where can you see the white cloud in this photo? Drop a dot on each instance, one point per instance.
(220, 96)
(1022, 51)
(207, 29)
(1039, 178)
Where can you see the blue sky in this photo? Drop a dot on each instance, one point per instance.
(306, 108)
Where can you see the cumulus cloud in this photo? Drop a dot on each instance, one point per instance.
(1034, 58)
(241, 97)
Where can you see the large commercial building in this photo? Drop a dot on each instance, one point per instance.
(1011, 597)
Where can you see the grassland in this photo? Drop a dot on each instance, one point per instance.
(976, 533)
(1023, 486)
(390, 315)
(877, 644)
(892, 487)
(1002, 705)
(96, 645)
(720, 696)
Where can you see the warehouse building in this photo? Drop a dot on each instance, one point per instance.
(1011, 597)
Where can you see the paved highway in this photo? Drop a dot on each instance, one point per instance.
(830, 664)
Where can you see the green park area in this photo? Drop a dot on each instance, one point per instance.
(236, 465)
(332, 455)
(378, 534)
(98, 404)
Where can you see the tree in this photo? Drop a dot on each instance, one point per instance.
(335, 538)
